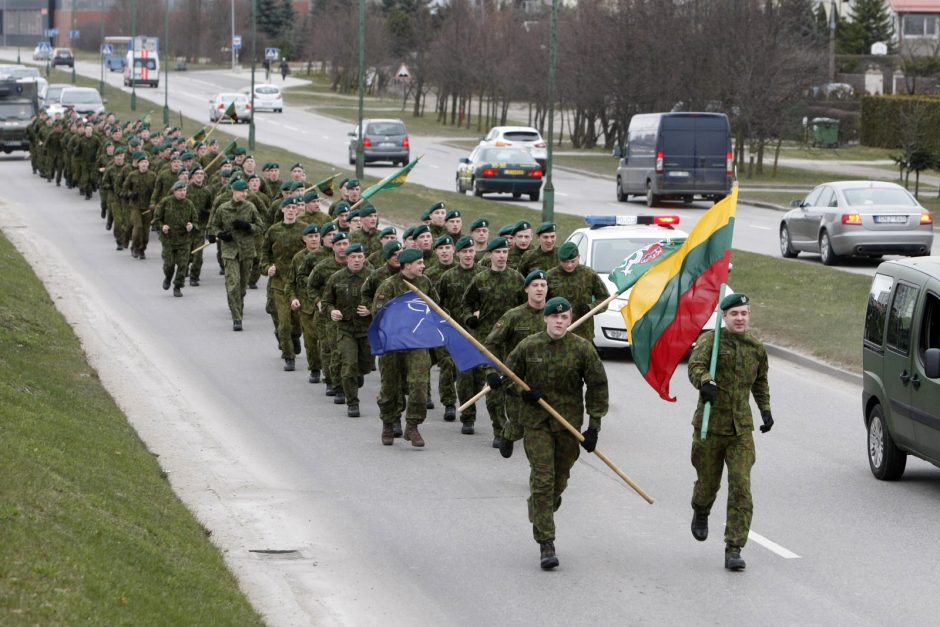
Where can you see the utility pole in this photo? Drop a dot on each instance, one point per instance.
(232, 40)
(133, 68)
(360, 155)
(832, 41)
(251, 99)
(101, 43)
(70, 38)
(548, 200)
(165, 53)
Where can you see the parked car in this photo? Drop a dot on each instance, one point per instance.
(42, 53)
(503, 170)
(860, 218)
(384, 140)
(518, 137)
(83, 100)
(63, 56)
(676, 156)
(52, 95)
(20, 71)
(901, 365)
(220, 102)
(603, 246)
(267, 97)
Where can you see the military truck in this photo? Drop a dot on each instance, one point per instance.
(19, 103)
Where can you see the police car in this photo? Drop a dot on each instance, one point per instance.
(603, 245)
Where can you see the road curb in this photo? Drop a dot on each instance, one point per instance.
(805, 361)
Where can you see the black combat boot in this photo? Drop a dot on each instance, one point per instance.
(288, 365)
(505, 449)
(548, 558)
(296, 341)
(166, 284)
(340, 398)
(498, 442)
(396, 428)
(314, 376)
(429, 404)
(733, 559)
(450, 413)
(193, 282)
(329, 390)
(177, 292)
(414, 436)
(388, 437)
(467, 428)
(699, 525)
(237, 325)
(352, 411)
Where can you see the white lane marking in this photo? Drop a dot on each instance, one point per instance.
(436, 167)
(763, 228)
(772, 546)
(290, 128)
(561, 194)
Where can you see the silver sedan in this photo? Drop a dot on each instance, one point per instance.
(856, 218)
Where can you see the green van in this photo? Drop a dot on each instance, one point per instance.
(901, 363)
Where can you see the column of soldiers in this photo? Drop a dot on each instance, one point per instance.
(328, 273)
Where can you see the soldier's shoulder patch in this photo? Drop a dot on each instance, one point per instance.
(498, 325)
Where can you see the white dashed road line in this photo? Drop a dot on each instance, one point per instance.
(772, 546)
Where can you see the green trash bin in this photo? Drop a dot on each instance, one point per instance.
(825, 132)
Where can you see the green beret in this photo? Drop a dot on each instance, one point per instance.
(409, 255)
(343, 182)
(140, 155)
(120, 150)
(436, 206)
(239, 186)
(421, 229)
(389, 230)
(340, 207)
(197, 168)
(311, 196)
(183, 170)
(463, 242)
(426, 215)
(534, 276)
(352, 183)
(453, 213)
(499, 242)
(353, 214)
(311, 228)
(134, 141)
(353, 248)
(506, 230)
(213, 142)
(274, 166)
(249, 157)
(240, 150)
(521, 225)
(567, 251)
(297, 165)
(479, 223)
(254, 176)
(178, 185)
(443, 240)
(227, 172)
(327, 228)
(409, 232)
(285, 187)
(555, 305)
(266, 166)
(390, 248)
(288, 200)
(186, 156)
(545, 227)
(339, 236)
(734, 300)
(366, 210)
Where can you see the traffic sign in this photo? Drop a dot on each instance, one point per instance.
(237, 42)
(52, 32)
(44, 46)
(272, 54)
(107, 49)
(73, 34)
(403, 74)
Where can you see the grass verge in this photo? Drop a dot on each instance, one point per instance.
(92, 532)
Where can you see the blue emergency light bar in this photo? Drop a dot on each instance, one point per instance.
(599, 221)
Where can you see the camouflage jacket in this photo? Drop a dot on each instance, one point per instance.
(371, 286)
(515, 257)
(492, 293)
(242, 245)
(581, 287)
(537, 259)
(436, 271)
(740, 372)
(320, 274)
(138, 188)
(161, 187)
(394, 286)
(301, 265)
(201, 197)
(281, 242)
(514, 326)
(451, 288)
(343, 291)
(174, 213)
(560, 369)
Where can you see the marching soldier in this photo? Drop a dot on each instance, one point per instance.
(280, 243)
(386, 235)
(447, 376)
(325, 329)
(579, 284)
(174, 220)
(480, 233)
(85, 151)
(137, 191)
(111, 182)
(302, 265)
(201, 197)
(542, 256)
(521, 240)
(741, 371)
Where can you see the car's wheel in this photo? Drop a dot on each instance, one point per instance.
(534, 196)
(786, 249)
(352, 159)
(826, 254)
(718, 199)
(886, 460)
(459, 186)
(516, 195)
(477, 190)
(621, 196)
(651, 199)
(687, 199)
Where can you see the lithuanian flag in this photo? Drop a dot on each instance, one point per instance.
(671, 302)
(391, 181)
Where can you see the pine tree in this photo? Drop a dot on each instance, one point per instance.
(869, 21)
(271, 18)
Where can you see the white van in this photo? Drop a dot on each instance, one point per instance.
(142, 70)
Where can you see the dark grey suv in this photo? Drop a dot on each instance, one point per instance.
(384, 140)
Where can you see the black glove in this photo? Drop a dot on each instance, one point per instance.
(708, 391)
(211, 238)
(473, 322)
(590, 439)
(768, 421)
(494, 380)
(225, 236)
(240, 225)
(583, 309)
(531, 396)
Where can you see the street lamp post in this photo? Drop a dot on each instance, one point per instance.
(165, 46)
(232, 41)
(360, 156)
(70, 37)
(101, 43)
(548, 200)
(251, 122)
(133, 67)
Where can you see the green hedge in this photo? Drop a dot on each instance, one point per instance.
(887, 120)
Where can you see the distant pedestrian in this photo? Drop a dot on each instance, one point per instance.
(285, 69)
(266, 64)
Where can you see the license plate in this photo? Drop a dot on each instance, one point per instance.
(679, 174)
(387, 145)
(890, 219)
(514, 172)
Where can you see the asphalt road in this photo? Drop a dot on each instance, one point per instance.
(402, 536)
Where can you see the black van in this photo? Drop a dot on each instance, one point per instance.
(676, 156)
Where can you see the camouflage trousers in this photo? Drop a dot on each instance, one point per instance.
(255, 272)
(311, 344)
(325, 329)
(355, 357)
(412, 367)
(709, 458)
(236, 284)
(551, 455)
(175, 260)
(117, 213)
(285, 320)
(195, 259)
(447, 377)
(468, 384)
(140, 229)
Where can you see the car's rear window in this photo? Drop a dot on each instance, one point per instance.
(267, 90)
(507, 155)
(610, 253)
(80, 97)
(385, 128)
(235, 97)
(522, 136)
(870, 196)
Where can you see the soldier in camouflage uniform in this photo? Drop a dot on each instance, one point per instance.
(301, 266)
(174, 220)
(579, 284)
(480, 234)
(741, 371)
(490, 294)
(447, 370)
(557, 366)
(111, 181)
(201, 197)
(312, 213)
(325, 329)
(453, 224)
(409, 367)
(53, 155)
(86, 154)
(236, 223)
(137, 191)
(368, 234)
(33, 134)
(342, 299)
(521, 243)
(279, 245)
(435, 216)
(543, 256)
(388, 234)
